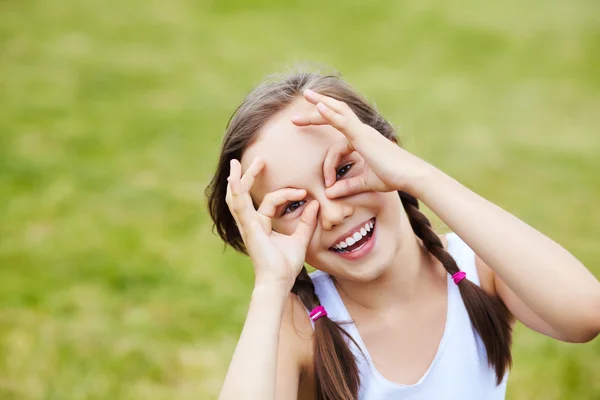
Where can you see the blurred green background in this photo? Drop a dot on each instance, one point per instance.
(112, 285)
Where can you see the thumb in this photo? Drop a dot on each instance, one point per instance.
(347, 187)
(308, 223)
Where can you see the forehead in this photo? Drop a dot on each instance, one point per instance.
(293, 155)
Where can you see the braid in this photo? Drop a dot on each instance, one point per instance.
(304, 288)
(488, 314)
(336, 372)
(422, 228)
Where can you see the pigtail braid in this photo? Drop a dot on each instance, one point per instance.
(488, 314)
(336, 372)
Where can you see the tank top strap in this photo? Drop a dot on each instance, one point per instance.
(460, 367)
(329, 297)
(464, 256)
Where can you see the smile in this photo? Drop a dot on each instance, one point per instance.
(357, 244)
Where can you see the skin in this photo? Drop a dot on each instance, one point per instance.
(303, 169)
(396, 294)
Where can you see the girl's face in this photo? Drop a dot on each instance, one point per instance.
(294, 158)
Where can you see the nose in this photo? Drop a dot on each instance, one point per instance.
(333, 211)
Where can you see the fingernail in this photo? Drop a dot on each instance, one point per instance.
(309, 92)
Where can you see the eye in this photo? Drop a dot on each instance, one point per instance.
(343, 171)
(293, 206)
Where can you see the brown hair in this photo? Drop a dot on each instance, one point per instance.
(336, 371)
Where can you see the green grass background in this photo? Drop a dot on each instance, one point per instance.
(112, 285)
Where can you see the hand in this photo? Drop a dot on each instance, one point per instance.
(389, 167)
(277, 258)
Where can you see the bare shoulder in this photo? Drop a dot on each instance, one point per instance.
(295, 362)
(486, 276)
(296, 327)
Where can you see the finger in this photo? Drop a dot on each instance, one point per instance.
(235, 174)
(335, 153)
(316, 98)
(308, 223)
(232, 189)
(347, 187)
(229, 201)
(240, 203)
(272, 200)
(313, 118)
(251, 173)
(338, 121)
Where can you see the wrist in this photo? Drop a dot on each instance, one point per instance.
(269, 301)
(423, 179)
(271, 291)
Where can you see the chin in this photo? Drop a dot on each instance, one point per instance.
(365, 275)
(361, 272)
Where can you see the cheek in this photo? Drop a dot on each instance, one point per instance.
(313, 255)
(379, 203)
(315, 252)
(389, 201)
(284, 227)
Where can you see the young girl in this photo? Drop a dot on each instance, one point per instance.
(310, 172)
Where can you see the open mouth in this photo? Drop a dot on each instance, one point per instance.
(354, 244)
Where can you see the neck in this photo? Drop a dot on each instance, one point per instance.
(413, 274)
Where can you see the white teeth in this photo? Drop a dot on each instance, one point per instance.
(355, 237)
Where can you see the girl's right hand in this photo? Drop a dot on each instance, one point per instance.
(277, 258)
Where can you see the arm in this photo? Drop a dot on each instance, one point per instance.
(267, 360)
(494, 286)
(295, 376)
(536, 277)
(252, 371)
(277, 259)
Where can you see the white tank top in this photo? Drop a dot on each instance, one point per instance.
(460, 368)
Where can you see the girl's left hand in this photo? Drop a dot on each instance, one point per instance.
(389, 167)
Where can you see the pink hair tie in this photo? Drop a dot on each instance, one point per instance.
(459, 276)
(317, 313)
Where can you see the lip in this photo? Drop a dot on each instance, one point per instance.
(350, 232)
(364, 250)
